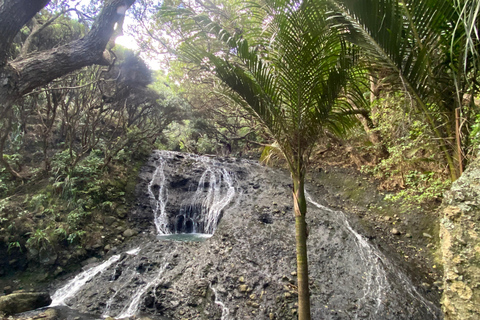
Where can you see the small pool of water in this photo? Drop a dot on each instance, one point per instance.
(195, 237)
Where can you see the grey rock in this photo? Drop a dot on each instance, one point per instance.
(245, 258)
(129, 233)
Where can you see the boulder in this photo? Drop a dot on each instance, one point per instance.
(129, 233)
(23, 301)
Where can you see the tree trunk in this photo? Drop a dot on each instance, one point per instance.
(300, 205)
(13, 16)
(24, 74)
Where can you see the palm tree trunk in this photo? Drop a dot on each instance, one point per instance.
(300, 205)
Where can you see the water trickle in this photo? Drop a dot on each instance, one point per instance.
(225, 310)
(62, 295)
(132, 306)
(159, 195)
(377, 270)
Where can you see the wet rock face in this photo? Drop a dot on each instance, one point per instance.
(247, 269)
(460, 244)
(184, 193)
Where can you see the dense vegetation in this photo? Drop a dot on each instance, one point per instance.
(402, 76)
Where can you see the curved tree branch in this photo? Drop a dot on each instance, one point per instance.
(27, 73)
(13, 16)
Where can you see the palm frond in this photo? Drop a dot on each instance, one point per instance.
(292, 83)
(404, 37)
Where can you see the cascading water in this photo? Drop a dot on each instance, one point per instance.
(240, 272)
(62, 295)
(199, 213)
(132, 306)
(378, 269)
(159, 195)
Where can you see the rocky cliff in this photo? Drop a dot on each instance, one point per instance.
(460, 245)
(246, 269)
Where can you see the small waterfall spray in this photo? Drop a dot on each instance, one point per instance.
(159, 195)
(201, 213)
(73, 286)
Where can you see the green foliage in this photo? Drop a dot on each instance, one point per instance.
(83, 177)
(421, 187)
(76, 237)
(38, 239)
(426, 48)
(14, 245)
(475, 136)
(76, 216)
(413, 163)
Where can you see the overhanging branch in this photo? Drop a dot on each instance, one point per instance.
(37, 69)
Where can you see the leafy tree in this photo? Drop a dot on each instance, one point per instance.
(434, 60)
(21, 74)
(292, 81)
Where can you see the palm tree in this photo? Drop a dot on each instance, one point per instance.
(431, 46)
(292, 81)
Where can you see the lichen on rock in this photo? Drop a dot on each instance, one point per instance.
(460, 245)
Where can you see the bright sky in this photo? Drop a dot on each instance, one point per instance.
(128, 41)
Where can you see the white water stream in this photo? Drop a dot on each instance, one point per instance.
(199, 213)
(160, 198)
(376, 285)
(61, 296)
(203, 211)
(132, 306)
(225, 310)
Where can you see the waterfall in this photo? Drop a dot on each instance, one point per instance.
(73, 286)
(158, 194)
(376, 286)
(199, 213)
(184, 195)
